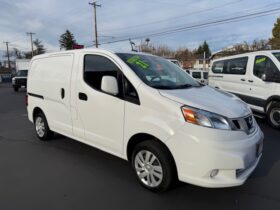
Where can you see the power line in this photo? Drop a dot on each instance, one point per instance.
(94, 5)
(31, 39)
(255, 10)
(201, 25)
(177, 17)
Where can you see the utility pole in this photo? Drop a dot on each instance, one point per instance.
(31, 34)
(204, 60)
(8, 54)
(94, 5)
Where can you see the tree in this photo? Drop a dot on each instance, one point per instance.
(184, 54)
(17, 54)
(40, 49)
(204, 47)
(67, 40)
(275, 40)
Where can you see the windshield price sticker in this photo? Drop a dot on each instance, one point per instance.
(260, 60)
(137, 60)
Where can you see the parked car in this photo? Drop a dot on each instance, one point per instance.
(255, 78)
(146, 110)
(20, 80)
(199, 75)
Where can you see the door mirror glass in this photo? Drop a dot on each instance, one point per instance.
(109, 84)
(263, 77)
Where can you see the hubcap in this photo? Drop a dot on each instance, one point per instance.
(148, 168)
(40, 126)
(275, 116)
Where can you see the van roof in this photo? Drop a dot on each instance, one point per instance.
(93, 50)
(248, 53)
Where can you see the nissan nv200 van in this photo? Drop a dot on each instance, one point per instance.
(146, 110)
(253, 77)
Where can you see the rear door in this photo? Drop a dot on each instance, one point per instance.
(101, 114)
(51, 79)
(197, 75)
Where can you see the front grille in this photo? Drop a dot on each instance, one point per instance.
(20, 81)
(246, 124)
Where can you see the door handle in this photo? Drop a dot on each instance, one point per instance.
(250, 81)
(243, 80)
(83, 96)
(62, 93)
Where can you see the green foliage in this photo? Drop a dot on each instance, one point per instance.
(204, 47)
(39, 47)
(275, 40)
(67, 40)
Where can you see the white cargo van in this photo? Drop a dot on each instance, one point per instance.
(254, 77)
(199, 75)
(145, 109)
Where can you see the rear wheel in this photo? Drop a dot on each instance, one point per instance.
(273, 115)
(153, 166)
(42, 128)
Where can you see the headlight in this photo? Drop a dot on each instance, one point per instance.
(204, 118)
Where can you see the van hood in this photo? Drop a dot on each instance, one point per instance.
(209, 99)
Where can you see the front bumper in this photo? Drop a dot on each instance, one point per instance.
(233, 153)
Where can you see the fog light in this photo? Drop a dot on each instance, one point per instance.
(214, 173)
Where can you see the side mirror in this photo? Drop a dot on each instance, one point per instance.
(109, 85)
(263, 77)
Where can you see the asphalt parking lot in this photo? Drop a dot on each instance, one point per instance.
(65, 174)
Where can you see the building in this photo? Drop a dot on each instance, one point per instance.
(199, 64)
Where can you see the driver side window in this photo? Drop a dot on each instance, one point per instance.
(97, 66)
(262, 64)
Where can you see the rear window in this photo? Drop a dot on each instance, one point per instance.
(196, 75)
(205, 75)
(231, 66)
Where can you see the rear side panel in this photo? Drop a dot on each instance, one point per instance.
(49, 78)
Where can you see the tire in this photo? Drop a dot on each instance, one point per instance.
(42, 128)
(16, 89)
(273, 115)
(157, 175)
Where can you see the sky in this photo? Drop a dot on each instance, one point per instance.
(136, 19)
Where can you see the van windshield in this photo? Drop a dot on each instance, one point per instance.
(277, 55)
(157, 72)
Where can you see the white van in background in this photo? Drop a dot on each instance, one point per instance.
(199, 75)
(254, 77)
(175, 61)
(145, 109)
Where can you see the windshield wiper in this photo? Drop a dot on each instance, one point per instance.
(183, 86)
(172, 87)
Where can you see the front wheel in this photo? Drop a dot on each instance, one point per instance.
(153, 166)
(273, 115)
(42, 128)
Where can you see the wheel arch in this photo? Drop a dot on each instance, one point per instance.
(270, 100)
(139, 137)
(37, 110)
